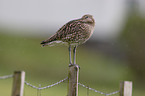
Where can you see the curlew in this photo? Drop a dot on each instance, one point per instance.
(73, 33)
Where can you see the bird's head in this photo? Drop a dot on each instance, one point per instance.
(88, 19)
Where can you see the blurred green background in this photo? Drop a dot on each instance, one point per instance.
(103, 62)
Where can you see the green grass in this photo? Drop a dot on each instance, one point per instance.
(50, 64)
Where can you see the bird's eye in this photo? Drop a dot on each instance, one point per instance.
(86, 17)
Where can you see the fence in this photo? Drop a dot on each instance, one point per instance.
(19, 81)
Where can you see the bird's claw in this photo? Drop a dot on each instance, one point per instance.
(70, 65)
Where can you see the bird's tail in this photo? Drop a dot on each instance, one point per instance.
(44, 43)
(48, 41)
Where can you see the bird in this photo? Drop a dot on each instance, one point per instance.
(72, 34)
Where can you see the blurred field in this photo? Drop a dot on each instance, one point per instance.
(50, 64)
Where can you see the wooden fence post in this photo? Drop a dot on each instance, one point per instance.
(73, 81)
(18, 83)
(126, 88)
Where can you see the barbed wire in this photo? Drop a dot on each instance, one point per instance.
(40, 88)
(6, 76)
(106, 94)
(49, 86)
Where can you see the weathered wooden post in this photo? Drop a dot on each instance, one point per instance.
(73, 80)
(126, 88)
(18, 83)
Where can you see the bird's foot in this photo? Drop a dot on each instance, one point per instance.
(70, 65)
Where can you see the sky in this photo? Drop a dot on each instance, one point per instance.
(52, 14)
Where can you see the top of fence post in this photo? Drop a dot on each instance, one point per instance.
(126, 88)
(18, 83)
(73, 80)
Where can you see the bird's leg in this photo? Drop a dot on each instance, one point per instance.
(74, 59)
(70, 61)
(74, 52)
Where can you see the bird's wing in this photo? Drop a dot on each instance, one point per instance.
(68, 30)
(65, 32)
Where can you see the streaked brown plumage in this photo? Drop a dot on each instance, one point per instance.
(73, 33)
